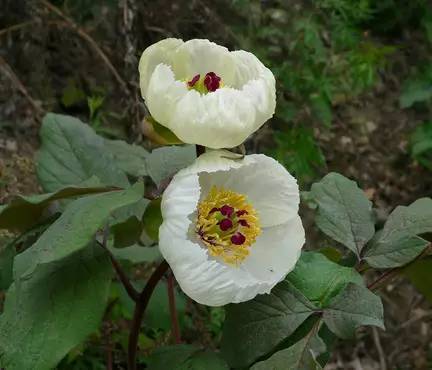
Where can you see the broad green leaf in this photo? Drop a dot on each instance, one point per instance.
(168, 357)
(344, 212)
(75, 228)
(398, 243)
(415, 91)
(165, 162)
(252, 329)
(184, 357)
(158, 133)
(71, 153)
(300, 356)
(50, 312)
(137, 254)
(321, 108)
(158, 314)
(203, 360)
(327, 280)
(24, 212)
(128, 157)
(355, 306)
(419, 273)
(152, 219)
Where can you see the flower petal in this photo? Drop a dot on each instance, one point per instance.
(221, 119)
(276, 251)
(200, 56)
(160, 52)
(164, 93)
(269, 187)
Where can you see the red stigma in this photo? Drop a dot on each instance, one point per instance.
(227, 210)
(225, 224)
(194, 80)
(243, 223)
(238, 239)
(211, 81)
(213, 210)
(241, 213)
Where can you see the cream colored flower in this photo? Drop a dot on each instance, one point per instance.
(204, 93)
(231, 228)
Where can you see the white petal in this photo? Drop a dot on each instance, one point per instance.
(200, 56)
(221, 119)
(276, 251)
(269, 187)
(209, 280)
(164, 93)
(160, 52)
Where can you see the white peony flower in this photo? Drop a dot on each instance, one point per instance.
(231, 228)
(204, 93)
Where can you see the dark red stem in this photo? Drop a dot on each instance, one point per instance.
(175, 327)
(140, 307)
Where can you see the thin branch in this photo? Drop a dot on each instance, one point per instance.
(20, 86)
(131, 291)
(80, 31)
(140, 308)
(392, 273)
(175, 328)
(200, 150)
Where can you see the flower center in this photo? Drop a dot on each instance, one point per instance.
(227, 225)
(209, 83)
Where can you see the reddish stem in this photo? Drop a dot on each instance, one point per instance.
(140, 307)
(175, 327)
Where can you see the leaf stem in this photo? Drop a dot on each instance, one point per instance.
(175, 328)
(140, 307)
(392, 273)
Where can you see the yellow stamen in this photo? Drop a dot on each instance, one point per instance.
(227, 225)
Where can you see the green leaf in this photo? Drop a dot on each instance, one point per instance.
(165, 162)
(298, 151)
(158, 314)
(129, 158)
(203, 360)
(50, 312)
(184, 357)
(24, 212)
(344, 212)
(300, 356)
(71, 153)
(137, 254)
(321, 108)
(168, 357)
(327, 280)
(398, 243)
(353, 307)
(75, 228)
(152, 219)
(420, 276)
(421, 144)
(158, 133)
(252, 329)
(417, 89)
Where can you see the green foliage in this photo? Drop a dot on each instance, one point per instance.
(49, 312)
(300, 356)
(399, 242)
(298, 151)
(184, 357)
(419, 273)
(417, 88)
(69, 233)
(344, 212)
(72, 153)
(152, 219)
(421, 144)
(254, 328)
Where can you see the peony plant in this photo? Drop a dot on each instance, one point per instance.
(224, 226)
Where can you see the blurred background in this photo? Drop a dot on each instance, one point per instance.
(354, 83)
